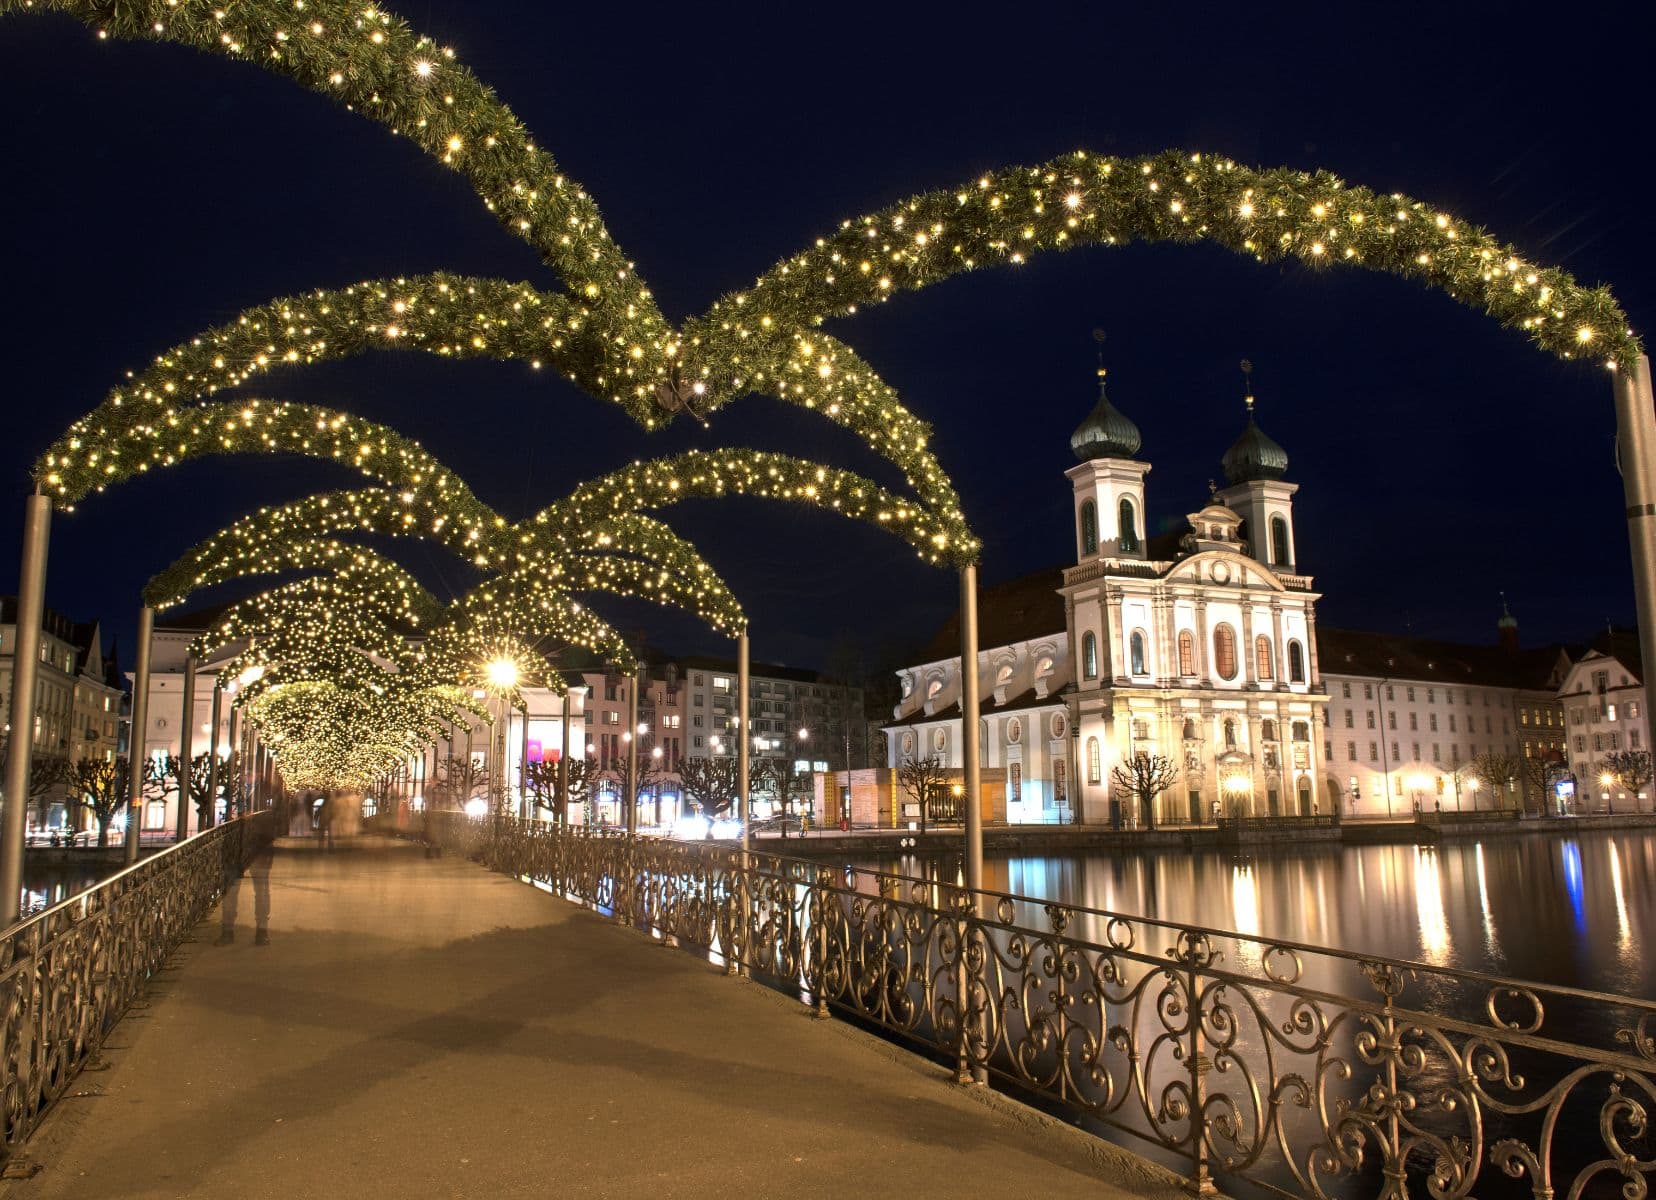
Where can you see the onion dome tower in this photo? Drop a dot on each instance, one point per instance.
(1108, 480)
(1254, 467)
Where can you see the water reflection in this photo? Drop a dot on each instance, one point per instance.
(1569, 912)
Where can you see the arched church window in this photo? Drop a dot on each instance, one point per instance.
(1230, 733)
(1089, 528)
(1268, 730)
(1089, 656)
(1137, 644)
(1224, 651)
(1279, 542)
(1095, 762)
(1190, 734)
(1262, 657)
(1187, 652)
(1129, 526)
(1296, 662)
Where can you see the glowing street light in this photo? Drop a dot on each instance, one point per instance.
(502, 674)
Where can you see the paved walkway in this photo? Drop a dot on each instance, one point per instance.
(425, 1028)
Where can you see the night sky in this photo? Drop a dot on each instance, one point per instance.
(151, 192)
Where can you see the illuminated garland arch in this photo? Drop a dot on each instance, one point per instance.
(1008, 216)
(316, 609)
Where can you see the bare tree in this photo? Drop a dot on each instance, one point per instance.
(925, 780)
(1495, 771)
(46, 771)
(1632, 769)
(709, 784)
(1145, 776)
(461, 780)
(620, 770)
(783, 779)
(1541, 771)
(100, 787)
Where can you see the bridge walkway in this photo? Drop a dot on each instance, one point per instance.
(422, 1027)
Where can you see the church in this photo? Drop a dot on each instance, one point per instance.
(1196, 647)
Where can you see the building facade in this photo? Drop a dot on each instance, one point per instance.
(1202, 648)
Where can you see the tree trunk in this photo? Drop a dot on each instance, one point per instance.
(103, 831)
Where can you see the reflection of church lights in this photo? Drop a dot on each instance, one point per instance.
(1244, 900)
(1483, 902)
(1572, 882)
(1434, 926)
(1624, 932)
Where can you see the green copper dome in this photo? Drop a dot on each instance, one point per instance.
(1106, 433)
(1254, 455)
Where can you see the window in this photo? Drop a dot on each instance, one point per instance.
(1414, 721)
(1302, 731)
(1370, 715)
(1089, 528)
(1374, 752)
(1262, 657)
(1296, 663)
(1431, 720)
(1279, 542)
(933, 688)
(1095, 763)
(1609, 712)
(1431, 695)
(1409, 695)
(1389, 693)
(721, 683)
(1368, 691)
(1451, 722)
(1268, 730)
(1348, 716)
(1351, 751)
(1230, 733)
(1328, 751)
(1345, 691)
(1187, 652)
(1141, 730)
(1632, 712)
(1136, 642)
(1437, 753)
(1190, 733)
(1060, 792)
(1395, 754)
(1089, 655)
(1391, 719)
(1129, 526)
(1224, 651)
(696, 720)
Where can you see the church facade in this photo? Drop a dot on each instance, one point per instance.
(1196, 651)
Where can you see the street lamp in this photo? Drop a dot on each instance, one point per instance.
(1606, 780)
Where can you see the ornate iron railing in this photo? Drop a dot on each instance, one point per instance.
(1301, 1070)
(68, 973)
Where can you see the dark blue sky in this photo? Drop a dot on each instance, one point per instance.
(151, 191)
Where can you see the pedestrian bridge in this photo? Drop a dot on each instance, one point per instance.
(646, 1022)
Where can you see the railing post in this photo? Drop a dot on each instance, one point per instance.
(1200, 1181)
(137, 732)
(561, 816)
(743, 784)
(31, 606)
(629, 794)
(824, 895)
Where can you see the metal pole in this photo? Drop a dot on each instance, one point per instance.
(969, 725)
(186, 748)
(742, 736)
(213, 755)
(137, 732)
(233, 804)
(562, 813)
(1636, 449)
(31, 612)
(524, 802)
(629, 795)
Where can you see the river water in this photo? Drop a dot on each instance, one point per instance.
(1575, 911)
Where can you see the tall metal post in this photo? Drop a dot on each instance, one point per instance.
(186, 748)
(629, 795)
(137, 732)
(213, 755)
(31, 612)
(1636, 445)
(524, 803)
(233, 806)
(969, 756)
(742, 736)
(561, 816)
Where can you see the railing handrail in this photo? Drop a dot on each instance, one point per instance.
(1350, 956)
(85, 894)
